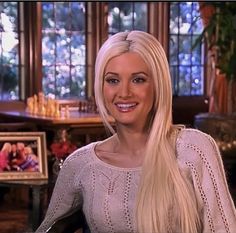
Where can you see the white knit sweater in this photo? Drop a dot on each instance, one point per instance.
(107, 193)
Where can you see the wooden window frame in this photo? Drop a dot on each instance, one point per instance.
(97, 33)
(184, 107)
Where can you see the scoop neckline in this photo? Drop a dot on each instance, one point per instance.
(98, 160)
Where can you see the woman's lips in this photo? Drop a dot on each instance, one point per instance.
(126, 107)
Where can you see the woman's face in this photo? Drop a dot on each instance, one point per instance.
(128, 89)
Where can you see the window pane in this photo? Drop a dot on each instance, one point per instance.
(186, 64)
(126, 16)
(9, 54)
(63, 49)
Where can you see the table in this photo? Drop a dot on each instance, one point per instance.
(84, 123)
(39, 189)
(75, 118)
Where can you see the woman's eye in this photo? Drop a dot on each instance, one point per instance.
(112, 80)
(139, 80)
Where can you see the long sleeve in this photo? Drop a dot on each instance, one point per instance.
(105, 193)
(66, 195)
(200, 159)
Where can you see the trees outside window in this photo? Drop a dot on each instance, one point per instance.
(9, 51)
(124, 16)
(187, 64)
(57, 44)
(64, 49)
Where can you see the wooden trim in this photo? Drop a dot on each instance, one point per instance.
(38, 47)
(33, 63)
(21, 29)
(96, 34)
(91, 35)
(158, 13)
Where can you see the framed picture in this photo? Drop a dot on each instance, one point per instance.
(23, 156)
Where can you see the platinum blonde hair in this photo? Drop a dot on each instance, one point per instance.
(162, 187)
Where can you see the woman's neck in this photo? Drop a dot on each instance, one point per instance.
(131, 142)
(124, 149)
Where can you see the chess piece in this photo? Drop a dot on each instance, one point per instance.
(67, 112)
(30, 105)
(57, 110)
(41, 103)
(35, 109)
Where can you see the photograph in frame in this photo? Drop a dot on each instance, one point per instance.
(23, 156)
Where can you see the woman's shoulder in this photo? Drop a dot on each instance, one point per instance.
(193, 144)
(191, 135)
(81, 156)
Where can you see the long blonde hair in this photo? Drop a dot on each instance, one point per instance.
(162, 187)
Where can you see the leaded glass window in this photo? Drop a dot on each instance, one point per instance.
(64, 49)
(186, 64)
(9, 54)
(126, 16)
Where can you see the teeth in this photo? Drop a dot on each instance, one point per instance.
(126, 105)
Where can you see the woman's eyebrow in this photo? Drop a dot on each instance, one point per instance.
(108, 73)
(135, 73)
(140, 72)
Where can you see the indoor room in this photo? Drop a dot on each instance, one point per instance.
(53, 105)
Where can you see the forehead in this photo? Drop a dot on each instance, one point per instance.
(128, 60)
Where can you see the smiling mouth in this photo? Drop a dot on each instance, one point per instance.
(126, 107)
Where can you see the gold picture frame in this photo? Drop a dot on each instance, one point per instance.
(23, 156)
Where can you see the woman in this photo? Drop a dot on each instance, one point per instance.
(150, 176)
(30, 162)
(4, 157)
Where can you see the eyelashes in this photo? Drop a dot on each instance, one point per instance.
(136, 79)
(110, 80)
(139, 79)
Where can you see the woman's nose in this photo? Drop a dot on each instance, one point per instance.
(125, 90)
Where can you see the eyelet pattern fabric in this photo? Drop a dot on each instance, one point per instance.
(107, 193)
